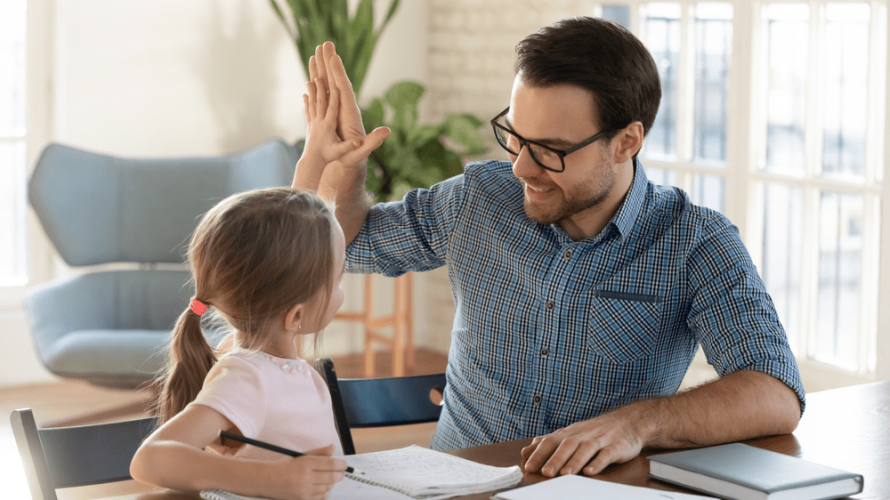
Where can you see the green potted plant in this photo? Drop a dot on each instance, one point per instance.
(414, 155)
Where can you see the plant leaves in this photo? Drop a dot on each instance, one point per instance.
(393, 6)
(420, 135)
(414, 155)
(404, 98)
(463, 129)
(373, 115)
(361, 35)
(280, 15)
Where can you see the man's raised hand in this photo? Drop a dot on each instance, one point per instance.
(324, 148)
(328, 66)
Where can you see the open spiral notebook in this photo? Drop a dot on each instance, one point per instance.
(411, 472)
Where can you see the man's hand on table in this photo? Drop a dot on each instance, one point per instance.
(592, 445)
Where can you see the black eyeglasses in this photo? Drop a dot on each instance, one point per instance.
(545, 156)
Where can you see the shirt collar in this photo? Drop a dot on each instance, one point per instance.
(624, 219)
(627, 213)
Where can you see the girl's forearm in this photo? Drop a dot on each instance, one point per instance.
(307, 176)
(174, 465)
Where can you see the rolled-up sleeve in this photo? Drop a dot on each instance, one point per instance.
(733, 315)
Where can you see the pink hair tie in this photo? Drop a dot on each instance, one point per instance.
(197, 306)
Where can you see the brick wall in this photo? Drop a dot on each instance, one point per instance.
(472, 49)
(470, 70)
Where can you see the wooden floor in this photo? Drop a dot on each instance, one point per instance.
(65, 400)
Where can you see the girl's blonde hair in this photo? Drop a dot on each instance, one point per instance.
(253, 256)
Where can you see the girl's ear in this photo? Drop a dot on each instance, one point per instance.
(294, 318)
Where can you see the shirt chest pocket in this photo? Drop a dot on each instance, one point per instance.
(623, 327)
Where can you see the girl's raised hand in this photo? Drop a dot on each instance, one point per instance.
(324, 148)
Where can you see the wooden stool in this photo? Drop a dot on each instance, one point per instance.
(402, 319)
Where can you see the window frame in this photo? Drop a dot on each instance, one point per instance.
(39, 109)
(745, 201)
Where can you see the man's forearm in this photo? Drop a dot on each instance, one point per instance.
(346, 189)
(739, 406)
(352, 216)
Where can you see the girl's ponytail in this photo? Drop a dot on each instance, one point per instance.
(190, 359)
(254, 256)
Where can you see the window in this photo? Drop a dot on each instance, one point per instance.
(784, 101)
(25, 103)
(13, 267)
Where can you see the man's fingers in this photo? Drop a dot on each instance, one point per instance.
(545, 449)
(338, 74)
(561, 456)
(582, 455)
(373, 141)
(528, 450)
(378, 135)
(367, 144)
(329, 52)
(342, 148)
(320, 63)
(606, 456)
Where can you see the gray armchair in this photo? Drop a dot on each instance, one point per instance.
(111, 326)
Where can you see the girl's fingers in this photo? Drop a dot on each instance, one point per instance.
(313, 69)
(306, 108)
(333, 106)
(311, 100)
(321, 99)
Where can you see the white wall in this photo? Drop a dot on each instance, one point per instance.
(196, 77)
(168, 77)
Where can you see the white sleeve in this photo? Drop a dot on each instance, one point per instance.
(235, 389)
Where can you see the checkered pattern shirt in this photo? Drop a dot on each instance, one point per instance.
(549, 331)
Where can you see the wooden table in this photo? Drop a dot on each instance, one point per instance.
(846, 428)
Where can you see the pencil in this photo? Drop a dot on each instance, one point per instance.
(223, 435)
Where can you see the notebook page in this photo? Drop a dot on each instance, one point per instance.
(352, 490)
(420, 468)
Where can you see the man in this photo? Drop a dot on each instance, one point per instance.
(582, 291)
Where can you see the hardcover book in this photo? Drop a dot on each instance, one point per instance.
(739, 471)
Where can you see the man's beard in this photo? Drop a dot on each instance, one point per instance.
(550, 214)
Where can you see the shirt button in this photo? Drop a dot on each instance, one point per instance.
(545, 351)
(550, 304)
(537, 399)
(567, 254)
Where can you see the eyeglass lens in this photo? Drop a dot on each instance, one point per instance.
(543, 156)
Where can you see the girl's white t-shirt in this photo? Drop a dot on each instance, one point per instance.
(280, 401)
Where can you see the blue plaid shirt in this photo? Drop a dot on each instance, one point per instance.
(549, 331)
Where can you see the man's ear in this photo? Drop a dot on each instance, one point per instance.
(627, 142)
(293, 320)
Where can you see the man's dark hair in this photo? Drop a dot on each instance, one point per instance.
(600, 56)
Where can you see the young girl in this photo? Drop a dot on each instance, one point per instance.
(269, 262)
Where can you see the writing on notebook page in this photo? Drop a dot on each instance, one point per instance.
(424, 466)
